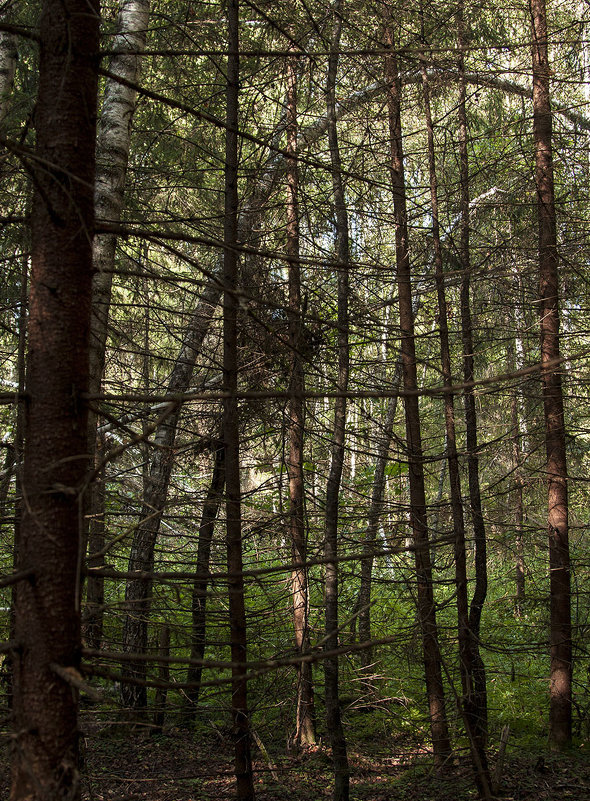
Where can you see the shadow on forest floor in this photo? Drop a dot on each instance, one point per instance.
(174, 766)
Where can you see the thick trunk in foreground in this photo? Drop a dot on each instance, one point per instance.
(559, 561)
(55, 463)
(305, 723)
(426, 607)
(331, 667)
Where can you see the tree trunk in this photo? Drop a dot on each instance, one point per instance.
(19, 440)
(465, 635)
(163, 677)
(138, 591)
(370, 538)
(305, 718)
(47, 619)
(231, 423)
(516, 421)
(479, 713)
(559, 561)
(518, 503)
(8, 56)
(418, 520)
(199, 598)
(112, 157)
(331, 666)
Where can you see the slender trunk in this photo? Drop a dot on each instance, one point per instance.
(8, 56)
(138, 591)
(515, 362)
(112, 156)
(559, 561)
(305, 721)
(418, 521)
(465, 635)
(19, 434)
(6, 475)
(373, 521)
(163, 678)
(199, 599)
(231, 423)
(480, 711)
(518, 509)
(331, 666)
(47, 620)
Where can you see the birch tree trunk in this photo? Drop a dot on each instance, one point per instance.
(47, 618)
(112, 156)
(559, 560)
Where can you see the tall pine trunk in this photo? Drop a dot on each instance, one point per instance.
(231, 423)
(47, 617)
(305, 719)
(331, 665)
(465, 635)
(556, 468)
(418, 520)
(479, 710)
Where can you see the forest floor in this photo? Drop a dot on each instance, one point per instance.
(176, 767)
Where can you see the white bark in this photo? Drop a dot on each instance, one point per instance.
(112, 156)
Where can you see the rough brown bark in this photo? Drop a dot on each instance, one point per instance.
(331, 666)
(231, 424)
(47, 616)
(305, 718)
(418, 520)
(559, 561)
